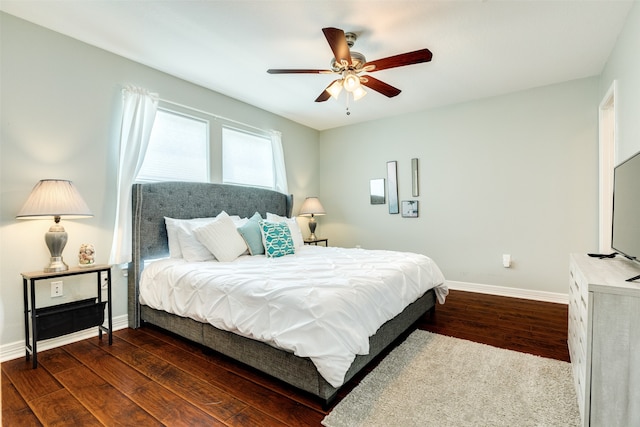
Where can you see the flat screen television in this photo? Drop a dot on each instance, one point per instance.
(626, 208)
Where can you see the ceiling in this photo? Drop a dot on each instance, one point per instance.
(480, 48)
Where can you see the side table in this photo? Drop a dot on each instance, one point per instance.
(62, 319)
(316, 241)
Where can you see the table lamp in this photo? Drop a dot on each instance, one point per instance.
(312, 207)
(55, 198)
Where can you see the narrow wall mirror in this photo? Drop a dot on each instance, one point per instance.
(415, 190)
(392, 178)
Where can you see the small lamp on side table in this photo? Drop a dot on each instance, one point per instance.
(312, 207)
(55, 198)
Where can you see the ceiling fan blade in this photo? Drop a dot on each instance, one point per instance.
(338, 43)
(296, 71)
(409, 58)
(380, 86)
(323, 96)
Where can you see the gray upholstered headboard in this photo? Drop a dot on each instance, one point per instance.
(185, 200)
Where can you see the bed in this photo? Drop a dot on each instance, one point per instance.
(271, 352)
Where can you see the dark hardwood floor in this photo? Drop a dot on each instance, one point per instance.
(149, 377)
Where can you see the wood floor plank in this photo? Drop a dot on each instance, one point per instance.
(162, 404)
(205, 396)
(219, 360)
(508, 319)
(14, 407)
(490, 319)
(101, 398)
(110, 368)
(255, 395)
(57, 360)
(60, 408)
(241, 370)
(31, 383)
(155, 399)
(250, 417)
(171, 409)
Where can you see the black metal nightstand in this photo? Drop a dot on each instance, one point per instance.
(316, 241)
(62, 319)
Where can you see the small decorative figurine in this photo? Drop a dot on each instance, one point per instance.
(86, 255)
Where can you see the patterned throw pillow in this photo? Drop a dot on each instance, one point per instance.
(276, 238)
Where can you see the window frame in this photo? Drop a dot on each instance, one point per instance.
(260, 135)
(207, 137)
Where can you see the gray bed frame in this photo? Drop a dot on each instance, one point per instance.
(153, 202)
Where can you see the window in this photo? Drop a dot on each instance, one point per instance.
(178, 149)
(247, 159)
(194, 146)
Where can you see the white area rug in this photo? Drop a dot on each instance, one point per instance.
(434, 380)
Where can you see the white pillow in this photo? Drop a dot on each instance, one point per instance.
(296, 234)
(222, 239)
(187, 225)
(237, 221)
(191, 249)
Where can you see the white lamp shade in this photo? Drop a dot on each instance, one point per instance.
(311, 207)
(351, 81)
(335, 88)
(54, 198)
(358, 93)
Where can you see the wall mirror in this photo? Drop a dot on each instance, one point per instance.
(392, 177)
(415, 190)
(376, 191)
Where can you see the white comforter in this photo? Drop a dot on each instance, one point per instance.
(321, 303)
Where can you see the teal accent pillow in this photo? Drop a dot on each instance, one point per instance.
(276, 238)
(252, 236)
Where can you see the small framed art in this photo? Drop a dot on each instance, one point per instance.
(409, 208)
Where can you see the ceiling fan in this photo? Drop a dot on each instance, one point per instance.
(350, 64)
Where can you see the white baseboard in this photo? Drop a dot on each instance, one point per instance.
(16, 349)
(509, 292)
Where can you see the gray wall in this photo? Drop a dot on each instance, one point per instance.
(60, 113)
(623, 66)
(514, 174)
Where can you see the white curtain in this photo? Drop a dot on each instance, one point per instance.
(138, 113)
(279, 169)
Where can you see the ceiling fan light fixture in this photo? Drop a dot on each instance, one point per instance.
(348, 65)
(358, 93)
(351, 81)
(335, 88)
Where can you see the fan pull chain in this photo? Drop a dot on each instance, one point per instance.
(347, 103)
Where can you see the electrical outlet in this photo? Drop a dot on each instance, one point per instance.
(104, 279)
(56, 289)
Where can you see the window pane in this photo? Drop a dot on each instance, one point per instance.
(178, 149)
(247, 159)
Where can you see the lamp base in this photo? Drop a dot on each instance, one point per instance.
(56, 264)
(312, 228)
(56, 239)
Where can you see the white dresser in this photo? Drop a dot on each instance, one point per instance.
(604, 339)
